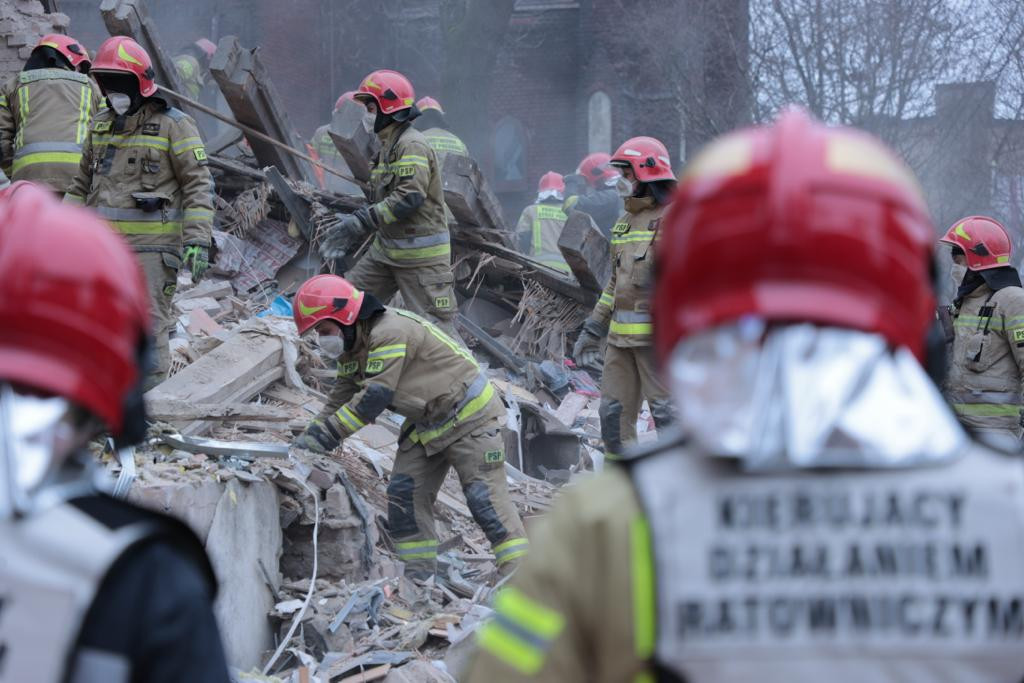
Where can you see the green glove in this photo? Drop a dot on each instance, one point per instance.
(316, 438)
(197, 259)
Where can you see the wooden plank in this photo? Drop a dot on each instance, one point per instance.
(586, 251)
(163, 409)
(492, 346)
(298, 207)
(374, 674)
(131, 18)
(351, 130)
(246, 86)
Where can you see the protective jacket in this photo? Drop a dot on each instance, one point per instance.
(69, 569)
(625, 303)
(684, 568)
(539, 227)
(444, 142)
(44, 121)
(407, 200)
(191, 75)
(987, 365)
(405, 363)
(147, 175)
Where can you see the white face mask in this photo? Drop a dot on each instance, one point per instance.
(957, 272)
(624, 187)
(119, 102)
(332, 344)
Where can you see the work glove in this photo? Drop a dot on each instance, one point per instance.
(345, 237)
(317, 438)
(587, 349)
(197, 259)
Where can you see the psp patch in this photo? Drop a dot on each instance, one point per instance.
(200, 154)
(151, 128)
(374, 366)
(442, 302)
(1018, 335)
(494, 456)
(620, 228)
(347, 369)
(102, 126)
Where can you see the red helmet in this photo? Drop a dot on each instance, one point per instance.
(389, 89)
(345, 97)
(73, 304)
(984, 240)
(551, 182)
(647, 157)
(206, 46)
(123, 55)
(428, 102)
(70, 48)
(796, 221)
(326, 297)
(596, 170)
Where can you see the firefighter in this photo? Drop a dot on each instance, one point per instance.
(45, 111)
(592, 190)
(987, 365)
(192, 65)
(540, 225)
(92, 588)
(144, 170)
(390, 358)
(435, 128)
(794, 300)
(623, 312)
(324, 150)
(411, 250)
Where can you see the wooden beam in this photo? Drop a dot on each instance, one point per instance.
(131, 18)
(468, 195)
(246, 86)
(493, 347)
(177, 411)
(354, 139)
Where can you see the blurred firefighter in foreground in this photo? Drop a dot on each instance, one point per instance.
(323, 149)
(435, 129)
(390, 358)
(45, 111)
(592, 190)
(411, 250)
(623, 313)
(540, 225)
(144, 170)
(794, 308)
(92, 588)
(984, 383)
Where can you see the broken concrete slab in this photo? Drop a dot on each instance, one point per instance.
(245, 532)
(207, 304)
(469, 197)
(572, 405)
(177, 411)
(215, 289)
(586, 251)
(200, 322)
(247, 87)
(351, 130)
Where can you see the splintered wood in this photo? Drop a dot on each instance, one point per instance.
(550, 317)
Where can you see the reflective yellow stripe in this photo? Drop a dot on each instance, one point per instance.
(468, 411)
(508, 647)
(987, 409)
(386, 352)
(19, 138)
(146, 227)
(643, 588)
(521, 632)
(3, 101)
(510, 550)
(350, 419)
(198, 214)
(45, 158)
(84, 112)
(630, 328)
(120, 141)
(415, 253)
(386, 213)
(634, 236)
(605, 300)
(187, 144)
(417, 550)
(538, 242)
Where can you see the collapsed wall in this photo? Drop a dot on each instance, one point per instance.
(22, 24)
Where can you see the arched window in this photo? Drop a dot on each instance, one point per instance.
(509, 153)
(599, 123)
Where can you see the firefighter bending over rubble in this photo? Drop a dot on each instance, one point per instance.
(411, 250)
(390, 358)
(91, 588)
(826, 517)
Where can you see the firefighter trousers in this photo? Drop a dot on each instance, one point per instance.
(428, 291)
(630, 376)
(479, 461)
(161, 271)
